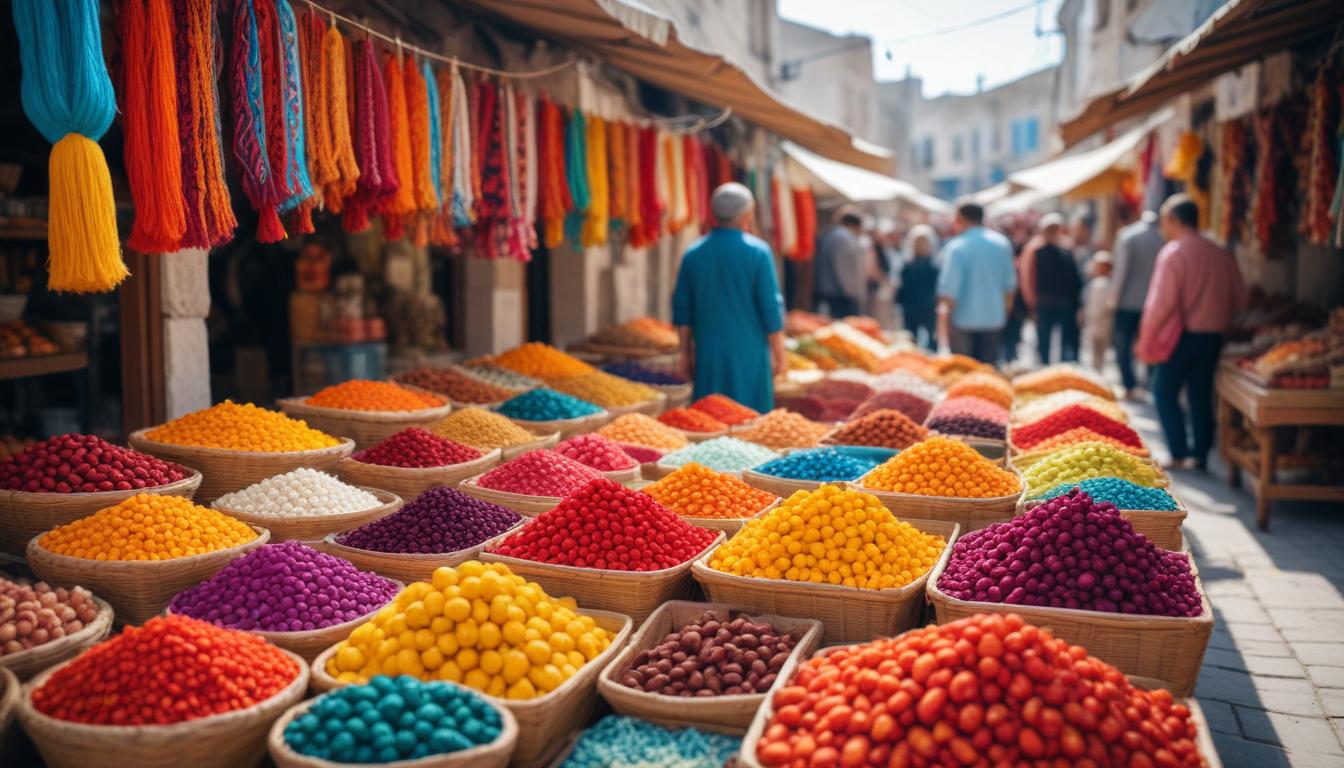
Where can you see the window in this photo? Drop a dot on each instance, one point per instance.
(997, 174)
(1026, 135)
(926, 153)
(957, 148)
(975, 143)
(947, 189)
(995, 138)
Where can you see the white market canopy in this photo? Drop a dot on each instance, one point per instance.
(857, 185)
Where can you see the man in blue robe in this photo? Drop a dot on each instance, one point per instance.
(727, 307)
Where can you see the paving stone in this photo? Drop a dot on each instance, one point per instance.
(1325, 676)
(1298, 590)
(1274, 648)
(1241, 609)
(1308, 734)
(1220, 717)
(1278, 694)
(1320, 653)
(1324, 621)
(1235, 752)
(1271, 666)
(1332, 699)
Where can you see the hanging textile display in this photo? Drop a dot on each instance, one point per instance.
(527, 111)
(296, 166)
(805, 212)
(1264, 209)
(554, 199)
(653, 184)
(376, 175)
(208, 218)
(435, 116)
(152, 153)
(678, 210)
(596, 221)
(576, 169)
(1323, 164)
(261, 180)
(617, 176)
(275, 102)
(422, 169)
(521, 239)
(786, 221)
(317, 128)
(67, 95)
(1232, 161)
(492, 205)
(1183, 166)
(340, 116)
(697, 182)
(464, 199)
(400, 202)
(634, 223)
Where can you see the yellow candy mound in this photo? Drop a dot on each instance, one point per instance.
(243, 427)
(1086, 460)
(481, 429)
(941, 466)
(148, 527)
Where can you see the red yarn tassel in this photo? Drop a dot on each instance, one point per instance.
(269, 227)
(153, 154)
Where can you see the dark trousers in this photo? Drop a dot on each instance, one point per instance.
(1126, 333)
(840, 306)
(926, 320)
(1012, 336)
(981, 345)
(1191, 367)
(1065, 319)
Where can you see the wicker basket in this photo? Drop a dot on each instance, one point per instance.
(729, 525)
(544, 440)
(528, 506)
(308, 644)
(409, 482)
(994, 450)
(408, 567)
(782, 487)
(566, 427)
(720, 714)
(678, 395)
(700, 437)
(546, 721)
(657, 471)
(229, 740)
(623, 476)
(28, 514)
(314, 527)
(633, 593)
(25, 664)
(847, 614)
(493, 755)
(1162, 527)
(364, 427)
(1165, 648)
(138, 590)
(969, 514)
(10, 691)
(226, 470)
(651, 407)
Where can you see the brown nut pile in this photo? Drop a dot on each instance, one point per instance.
(712, 656)
(31, 615)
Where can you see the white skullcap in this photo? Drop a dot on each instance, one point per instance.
(730, 201)
(1050, 220)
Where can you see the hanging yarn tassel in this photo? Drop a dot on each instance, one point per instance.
(634, 224)
(151, 148)
(402, 203)
(322, 169)
(68, 97)
(369, 188)
(651, 205)
(300, 186)
(464, 197)
(339, 121)
(274, 102)
(596, 221)
(249, 112)
(207, 206)
(555, 200)
(617, 173)
(433, 111)
(418, 131)
(527, 115)
(576, 169)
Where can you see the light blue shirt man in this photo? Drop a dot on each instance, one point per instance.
(977, 276)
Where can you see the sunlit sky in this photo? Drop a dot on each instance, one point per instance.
(1001, 50)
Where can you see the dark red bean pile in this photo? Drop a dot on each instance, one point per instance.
(711, 657)
(76, 463)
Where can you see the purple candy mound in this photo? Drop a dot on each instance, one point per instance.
(285, 587)
(440, 520)
(1071, 552)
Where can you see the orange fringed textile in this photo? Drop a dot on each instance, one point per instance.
(441, 231)
(634, 223)
(402, 202)
(340, 115)
(149, 102)
(596, 221)
(322, 168)
(805, 211)
(555, 199)
(206, 204)
(618, 172)
(417, 110)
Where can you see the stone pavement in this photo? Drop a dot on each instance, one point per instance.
(1272, 685)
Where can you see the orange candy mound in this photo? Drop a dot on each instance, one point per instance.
(697, 491)
(1057, 378)
(1083, 435)
(241, 427)
(542, 361)
(781, 429)
(985, 386)
(941, 466)
(884, 428)
(638, 429)
(985, 690)
(365, 395)
(725, 409)
(691, 420)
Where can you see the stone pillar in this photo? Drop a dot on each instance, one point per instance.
(185, 302)
(493, 305)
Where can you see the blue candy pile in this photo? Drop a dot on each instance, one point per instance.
(821, 464)
(625, 741)
(1118, 491)
(546, 405)
(643, 374)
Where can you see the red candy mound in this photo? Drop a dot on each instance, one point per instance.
(417, 448)
(641, 453)
(1070, 418)
(76, 463)
(691, 420)
(608, 526)
(539, 473)
(596, 451)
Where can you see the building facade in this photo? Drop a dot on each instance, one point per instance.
(830, 76)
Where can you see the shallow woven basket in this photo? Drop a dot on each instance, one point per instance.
(1162, 527)
(364, 427)
(528, 506)
(25, 664)
(138, 590)
(229, 740)
(566, 427)
(409, 482)
(969, 514)
(10, 690)
(633, 593)
(1165, 648)
(782, 487)
(545, 722)
(729, 525)
(651, 407)
(227, 470)
(623, 476)
(308, 644)
(720, 714)
(314, 527)
(994, 450)
(678, 395)
(847, 614)
(408, 567)
(544, 440)
(493, 755)
(27, 514)
(700, 437)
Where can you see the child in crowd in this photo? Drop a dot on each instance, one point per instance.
(1097, 318)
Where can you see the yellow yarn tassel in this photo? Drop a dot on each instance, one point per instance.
(82, 219)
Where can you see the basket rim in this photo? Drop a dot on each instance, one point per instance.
(269, 635)
(181, 729)
(574, 570)
(1180, 509)
(775, 478)
(275, 741)
(558, 425)
(300, 405)
(387, 499)
(511, 496)
(916, 497)
(700, 567)
(192, 480)
(34, 547)
(345, 444)
(936, 595)
(9, 696)
(102, 622)
(700, 521)
(426, 472)
(412, 557)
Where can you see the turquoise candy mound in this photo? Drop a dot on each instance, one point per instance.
(392, 719)
(625, 741)
(1118, 491)
(546, 405)
(826, 465)
(721, 454)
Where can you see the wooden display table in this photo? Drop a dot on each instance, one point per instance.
(1262, 411)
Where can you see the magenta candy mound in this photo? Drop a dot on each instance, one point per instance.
(1071, 552)
(439, 521)
(285, 587)
(539, 473)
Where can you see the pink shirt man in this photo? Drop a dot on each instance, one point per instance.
(1197, 279)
